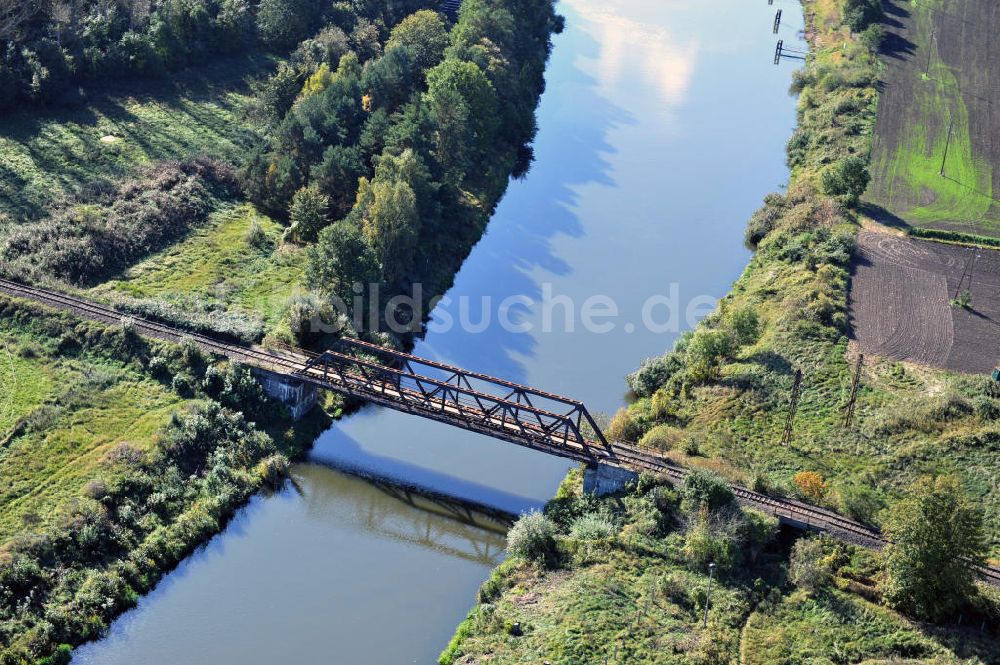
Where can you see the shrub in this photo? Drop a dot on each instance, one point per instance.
(706, 351)
(182, 385)
(255, 236)
(811, 484)
(745, 325)
(703, 489)
(872, 37)
(764, 220)
(158, 366)
(760, 529)
(860, 502)
(986, 407)
(532, 537)
(805, 567)
(654, 373)
(710, 540)
(662, 438)
(101, 235)
(592, 526)
(859, 14)
(309, 213)
(622, 427)
(847, 179)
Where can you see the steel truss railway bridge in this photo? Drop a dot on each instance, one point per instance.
(488, 405)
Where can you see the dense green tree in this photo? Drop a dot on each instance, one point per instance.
(936, 541)
(284, 23)
(309, 213)
(454, 138)
(424, 33)
(847, 179)
(469, 81)
(859, 14)
(337, 176)
(391, 225)
(705, 351)
(390, 80)
(340, 259)
(327, 47)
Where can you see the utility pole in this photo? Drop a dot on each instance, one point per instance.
(951, 126)
(786, 437)
(855, 384)
(708, 594)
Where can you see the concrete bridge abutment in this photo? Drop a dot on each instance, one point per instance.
(602, 479)
(299, 396)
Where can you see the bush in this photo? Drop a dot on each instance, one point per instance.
(745, 325)
(710, 540)
(182, 385)
(872, 37)
(811, 484)
(532, 537)
(592, 526)
(936, 541)
(256, 237)
(662, 438)
(705, 352)
(622, 427)
(102, 235)
(986, 407)
(859, 14)
(309, 213)
(847, 179)
(703, 489)
(860, 502)
(805, 567)
(654, 373)
(764, 220)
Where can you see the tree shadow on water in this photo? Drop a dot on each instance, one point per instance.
(572, 151)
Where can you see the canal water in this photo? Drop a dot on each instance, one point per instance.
(661, 129)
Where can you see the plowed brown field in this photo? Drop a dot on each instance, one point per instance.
(900, 296)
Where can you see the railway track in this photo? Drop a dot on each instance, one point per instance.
(295, 362)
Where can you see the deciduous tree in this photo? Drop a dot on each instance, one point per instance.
(936, 541)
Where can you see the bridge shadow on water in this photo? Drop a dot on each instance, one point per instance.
(343, 452)
(572, 150)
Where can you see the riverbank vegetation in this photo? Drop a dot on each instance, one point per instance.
(625, 579)
(119, 457)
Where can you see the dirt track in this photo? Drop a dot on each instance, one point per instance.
(899, 302)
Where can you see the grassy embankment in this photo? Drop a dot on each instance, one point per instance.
(720, 402)
(235, 262)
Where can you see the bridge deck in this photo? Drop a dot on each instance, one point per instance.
(459, 403)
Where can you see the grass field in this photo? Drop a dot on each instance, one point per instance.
(65, 414)
(934, 151)
(219, 265)
(45, 153)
